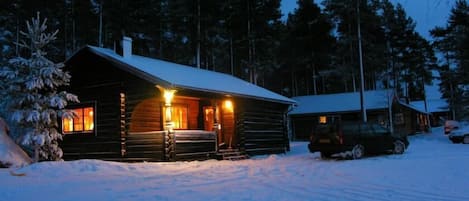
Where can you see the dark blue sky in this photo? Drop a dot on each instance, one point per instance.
(426, 13)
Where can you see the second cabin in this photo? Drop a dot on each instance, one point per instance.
(135, 108)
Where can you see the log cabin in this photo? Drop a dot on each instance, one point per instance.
(135, 108)
(382, 106)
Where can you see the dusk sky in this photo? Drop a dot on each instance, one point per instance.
(426, 13)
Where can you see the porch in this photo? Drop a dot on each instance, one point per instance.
(145, 146)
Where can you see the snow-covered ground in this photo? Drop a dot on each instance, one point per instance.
(431, 169)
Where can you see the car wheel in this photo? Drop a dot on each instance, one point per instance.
(358, 151)
(465, 140)
(325, 155)
(399, 147)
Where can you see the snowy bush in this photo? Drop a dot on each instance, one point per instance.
(31, 86)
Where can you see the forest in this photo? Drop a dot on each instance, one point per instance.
(314, 51)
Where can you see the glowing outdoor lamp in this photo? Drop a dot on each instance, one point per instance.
(228, 105)
(168, 95)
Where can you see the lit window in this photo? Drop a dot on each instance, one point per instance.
(82, 123)
(322, 119)
(178, 116)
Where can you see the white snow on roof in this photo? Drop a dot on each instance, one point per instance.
(433, 105)
(342, 102)
(187, 77)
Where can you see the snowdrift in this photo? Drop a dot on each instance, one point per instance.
(11, 155)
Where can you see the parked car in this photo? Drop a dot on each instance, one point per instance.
(460, 135)
(450, 125)
(354, 140)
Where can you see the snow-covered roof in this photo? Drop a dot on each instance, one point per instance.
(342, 102)
(433, 105)
(187, 77)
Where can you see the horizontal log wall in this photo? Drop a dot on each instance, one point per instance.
(91, 147)
(104, 143)
(262, 128)
(195, 145)
(145, 146)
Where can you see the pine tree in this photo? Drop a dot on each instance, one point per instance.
(307, 49)
(453, 41)
(32, 91)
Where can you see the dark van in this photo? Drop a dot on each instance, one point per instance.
(355, 139)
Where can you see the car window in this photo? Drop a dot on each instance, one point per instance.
(349, 128)
(379, 129)
(366, 129)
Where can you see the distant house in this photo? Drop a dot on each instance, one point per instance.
(380, 106)
(136, 108)
(438, 108)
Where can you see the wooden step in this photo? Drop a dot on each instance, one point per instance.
(231, 154)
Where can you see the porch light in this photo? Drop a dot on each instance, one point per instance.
(228, 105)
(168, 95)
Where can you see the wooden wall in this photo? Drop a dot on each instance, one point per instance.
(103, 90)
(195, 145)
(192, 110)
(261, 127)
(145, 146)
(146, 116)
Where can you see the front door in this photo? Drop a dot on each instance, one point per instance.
(209, 118)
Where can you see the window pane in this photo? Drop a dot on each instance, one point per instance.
(178, 116)
(78, 121)
(82, 122)
(67, 125)
(322, 119)
(88, 115)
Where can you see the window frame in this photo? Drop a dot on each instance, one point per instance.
(82, 106)
(173, 106)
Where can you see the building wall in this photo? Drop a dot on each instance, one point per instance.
(103, 90)
(261, 127)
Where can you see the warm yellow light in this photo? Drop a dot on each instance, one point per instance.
(228, 105)
(322, 119)
(168, 96)
(67, 125)
(168, 114)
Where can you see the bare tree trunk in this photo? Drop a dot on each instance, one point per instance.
(307, 80)
(160, 41)
(231, 56)
(74, 39)
(65, 32)
(100, 28)
(198, 34)
(250, 56)
(292, 90)
(315, 88)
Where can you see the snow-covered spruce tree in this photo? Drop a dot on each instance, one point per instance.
(35, 103)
